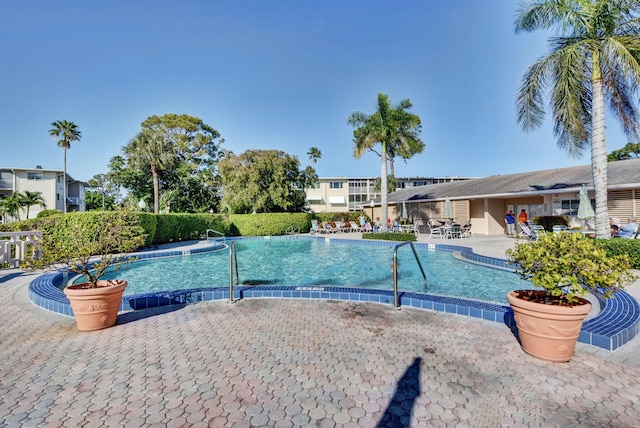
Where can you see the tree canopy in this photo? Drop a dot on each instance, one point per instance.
(629, 151)
(172, 154)
(264, 181)
(594, 59)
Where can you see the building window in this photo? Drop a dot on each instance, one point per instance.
(419, 183)
(357, 198)
(38, 176)
(58, 196)
(570, 206)
(335, 185)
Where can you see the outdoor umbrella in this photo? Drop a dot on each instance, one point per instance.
(448, 210)
(585, 209)
(403, 214)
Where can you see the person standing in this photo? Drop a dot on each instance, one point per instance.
(523, 217)
(510, 221)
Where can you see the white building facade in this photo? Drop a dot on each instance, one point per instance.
(342, 194)
(49, 183)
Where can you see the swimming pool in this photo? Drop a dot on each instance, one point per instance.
(319, 262)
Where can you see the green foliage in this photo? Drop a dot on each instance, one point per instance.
(78, 238)
(617, 247)
(569, 265)
(268, 224)
(629, 151)
(48, 213)
(183, 227)
(390, 236)
(346, 216)
(548, 221)
(264, 181)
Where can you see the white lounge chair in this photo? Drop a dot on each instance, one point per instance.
(435, 231)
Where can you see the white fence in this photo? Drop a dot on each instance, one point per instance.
(14, 249)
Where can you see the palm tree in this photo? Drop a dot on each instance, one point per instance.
(314, 154)
(67, 132)
(12, 204)
(151, 148)
(29, 199)
(391, 127)
(594, 59)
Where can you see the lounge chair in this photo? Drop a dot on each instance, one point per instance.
(314, 227)
(532, 232)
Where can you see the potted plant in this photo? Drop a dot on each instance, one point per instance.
(565, 266)
(91, 244)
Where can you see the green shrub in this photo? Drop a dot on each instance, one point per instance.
(184, 227)
(77, 238)
(48, 213)
(548, 221)
(268, 224)
(567, 265)
(619, 246)
(390, 236)
(346, 216)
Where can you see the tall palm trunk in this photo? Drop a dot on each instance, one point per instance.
(384, 186)
(64, 184)
(599, 152)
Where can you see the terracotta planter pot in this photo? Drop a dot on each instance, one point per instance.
(548, 332)
(96, 308)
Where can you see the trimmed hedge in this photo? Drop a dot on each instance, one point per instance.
(617, 246)
(390, 236)
(268, 224)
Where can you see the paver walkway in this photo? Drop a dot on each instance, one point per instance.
(288, 363)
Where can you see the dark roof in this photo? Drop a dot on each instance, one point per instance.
(620, 175)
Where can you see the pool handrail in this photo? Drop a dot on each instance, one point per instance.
(220, 236)
(233, 258)
(395, 271)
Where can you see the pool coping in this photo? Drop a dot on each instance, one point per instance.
(617, 323)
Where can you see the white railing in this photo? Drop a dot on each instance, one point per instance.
(14, 249)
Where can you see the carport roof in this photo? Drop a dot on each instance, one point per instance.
(620, 175)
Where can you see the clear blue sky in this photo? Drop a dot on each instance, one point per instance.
(277, 74)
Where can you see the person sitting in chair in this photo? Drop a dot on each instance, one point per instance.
(630, 229)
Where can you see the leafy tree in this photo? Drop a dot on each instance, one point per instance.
(630, 151)
(392, 184)
(105, 188)
(151, 148)
(594, 59)
(395, 129)
(67, 132)
(314, 154)
(29, 199)
(264, 181)
(185, 154)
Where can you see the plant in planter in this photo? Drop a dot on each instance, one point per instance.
(91, 245)
(565, 266)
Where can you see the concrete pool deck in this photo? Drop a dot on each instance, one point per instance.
(262, 362)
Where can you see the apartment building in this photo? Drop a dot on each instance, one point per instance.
(48, 182)
(340, 194)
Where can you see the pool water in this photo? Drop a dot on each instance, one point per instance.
(315, 262)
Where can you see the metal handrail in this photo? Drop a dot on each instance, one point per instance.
(233, 259)
(395, 271)
(220, 234)
(292, 230)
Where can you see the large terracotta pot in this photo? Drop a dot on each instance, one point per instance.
(548, 332)
(96, 308)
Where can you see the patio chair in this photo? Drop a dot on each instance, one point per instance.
(435, 231)
(314, 227)
(466, 232)
(453, 232)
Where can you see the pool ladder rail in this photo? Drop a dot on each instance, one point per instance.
(292, 231)
(217, 236)
(233, 263)
(396, 302)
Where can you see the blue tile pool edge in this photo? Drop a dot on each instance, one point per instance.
(617, 323)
